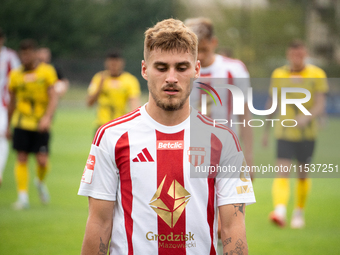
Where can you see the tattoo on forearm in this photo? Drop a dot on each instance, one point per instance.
(239, 248)
(238, 208)
(102, 248)
(227, 241)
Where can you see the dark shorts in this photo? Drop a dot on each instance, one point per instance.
(30, 141)
(302, 151)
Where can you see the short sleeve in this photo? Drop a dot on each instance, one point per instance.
(51, 76)
(233, 184)
(321, 84)
(134, 87)
(100, 176)
(93, 87)
(234, 187)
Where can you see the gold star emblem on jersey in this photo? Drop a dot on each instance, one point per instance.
(180, 198)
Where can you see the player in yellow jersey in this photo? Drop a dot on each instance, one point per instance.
(296, 142)
(61, 86)
(113, 88)
(32, 103)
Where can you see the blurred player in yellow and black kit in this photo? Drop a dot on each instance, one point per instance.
(32, 103)
(113, 88)
(61, 86)
(296, 142)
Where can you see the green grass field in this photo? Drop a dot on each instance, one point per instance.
(59, 227)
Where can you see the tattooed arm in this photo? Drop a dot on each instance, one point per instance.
(233, 231)
(98, 227)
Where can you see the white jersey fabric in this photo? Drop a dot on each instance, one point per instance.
(145, 168)
(8, 61)
(234, 72)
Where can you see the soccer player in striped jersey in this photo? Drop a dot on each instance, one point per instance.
(233, 71)
(8, 61)
(139, 174)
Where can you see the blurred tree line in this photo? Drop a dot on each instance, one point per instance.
(259, 35)
(80, 32)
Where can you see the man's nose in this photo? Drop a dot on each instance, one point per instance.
(171, 76)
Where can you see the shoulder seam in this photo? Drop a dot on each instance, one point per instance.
(123, 119)
(208, 122)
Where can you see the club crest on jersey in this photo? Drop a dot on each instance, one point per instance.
(88, 170)
(180, 197)
(196, 155)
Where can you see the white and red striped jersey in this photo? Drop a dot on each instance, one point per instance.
(235, 73)
(8, 61)
(146, 168)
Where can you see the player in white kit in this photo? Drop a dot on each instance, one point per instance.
(233, 71)
(138, 178)
(216, 70)
(8, 61)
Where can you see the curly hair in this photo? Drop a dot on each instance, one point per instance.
(170, 35)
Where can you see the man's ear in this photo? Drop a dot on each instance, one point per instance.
(197, 69)
(144, 70)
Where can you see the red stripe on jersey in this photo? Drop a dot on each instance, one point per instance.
(205, 75)
(238, 145)
(147, 155)
(9, 67)
(122, 152)
(170, 168)
(216, 150)
(100, 132)
(208, 121)
(4, 94)
(211, 213)
(141, 157)
(112, 121)
(229, 96)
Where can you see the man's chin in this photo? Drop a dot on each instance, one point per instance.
(170, 106)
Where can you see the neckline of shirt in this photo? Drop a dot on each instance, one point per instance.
(167, 129)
